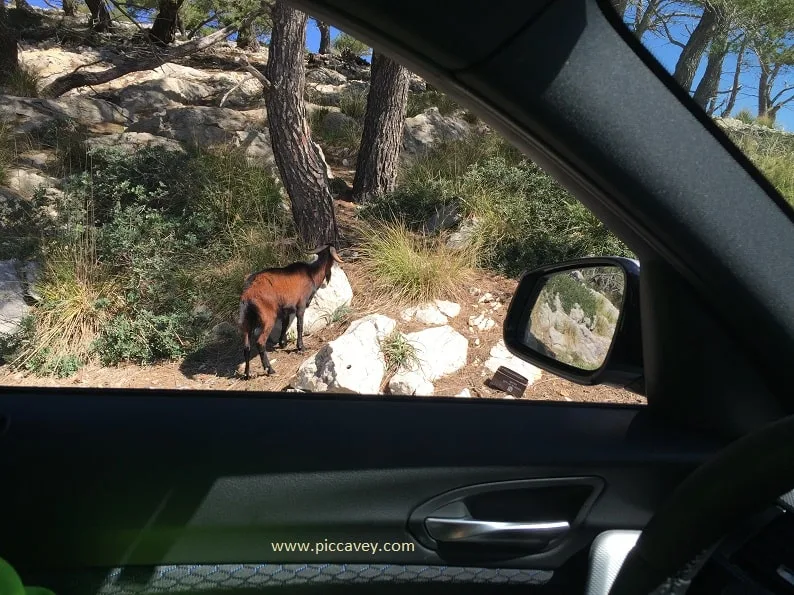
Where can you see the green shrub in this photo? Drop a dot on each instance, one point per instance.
(773, 155)
(144, 252)
(419, 102)
(347, 44)
(571, 292)
(409, 268)
(398, 352)
(522, 217)
(353, 103)
(7, 152)
(340, 137)
(68, 139)
(23, 82)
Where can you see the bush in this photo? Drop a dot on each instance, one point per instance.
(347, 136)
(7, 152)
(419, 102)
(409, 268)
(67, 138)
(23, 82)
(347, 44)
(353, 103)
(773, 155)
(523, 218)
(144, 252)
(398, 352)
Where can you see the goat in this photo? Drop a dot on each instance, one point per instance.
(277, 293)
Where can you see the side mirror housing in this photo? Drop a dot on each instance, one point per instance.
(580, 320)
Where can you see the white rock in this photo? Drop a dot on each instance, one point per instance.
(486, 297)
(13, 308)
(440, 351)
(25, 182)
(424, 313)
(500, 356)
(465, 393)
(482, 322)
(351, 363)
(384, 326)
(411, 383)
(329, 298)
(450, 309)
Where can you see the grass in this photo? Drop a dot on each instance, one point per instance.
(519, 216)
(347, 136)
(23, 83)
(398, 352)
(7, 152)
(353, 103)
(144, 254)
(410, 268)
(773, 155)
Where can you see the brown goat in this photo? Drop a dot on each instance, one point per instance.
(278, 293)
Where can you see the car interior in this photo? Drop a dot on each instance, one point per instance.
(116, 492)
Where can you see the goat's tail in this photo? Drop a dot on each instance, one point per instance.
(246, 316)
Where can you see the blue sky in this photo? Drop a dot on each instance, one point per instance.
(667, 54)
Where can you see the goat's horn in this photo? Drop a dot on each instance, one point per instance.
(318, 250)
(335, 256)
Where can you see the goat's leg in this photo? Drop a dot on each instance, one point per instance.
(301, 310)
(247, 353)
(282, 341)
(260, 343)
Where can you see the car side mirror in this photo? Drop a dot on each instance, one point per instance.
(580, 320)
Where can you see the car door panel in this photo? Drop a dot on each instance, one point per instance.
(108, 480)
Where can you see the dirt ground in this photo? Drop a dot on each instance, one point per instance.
(218, 366)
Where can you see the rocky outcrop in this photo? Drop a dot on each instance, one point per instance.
(429, 128)
(351, 363)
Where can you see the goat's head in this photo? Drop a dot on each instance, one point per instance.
(328, 261)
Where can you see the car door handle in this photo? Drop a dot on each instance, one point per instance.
(463, 531)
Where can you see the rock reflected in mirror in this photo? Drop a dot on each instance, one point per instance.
(575, 315)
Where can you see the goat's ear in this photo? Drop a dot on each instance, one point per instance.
(335, 256)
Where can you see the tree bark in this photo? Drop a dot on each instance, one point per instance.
(163, 31)
(381, 139)
(246, 38)
(325, 37)
(735, 85)
(69, 7)
(620, 7)
(693, 49)
(76, 79)
(709, 85)
(302, 170)
(763, 91)
(100, 16)
(9, 50)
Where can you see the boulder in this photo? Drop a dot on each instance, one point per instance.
(13, 308)
(31, 115)
(439, 351)
(160, 93)
(325, 76)
(450, 309)
(412, 383)
(446, 216)
(25, 182)
(425, 313)
(352, 362)
(329, 299)
(129, 142)
(336, 122)
(429, 128)
(500, 356)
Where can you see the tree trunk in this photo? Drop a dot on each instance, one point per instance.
(100, 16)
(736, 85)
(297, 157)
(163, 31)
(763, 91)
(709, 85)
(325, 37)
(381, 139)
(246, 38)
(620, 6)
(9, 50)
(69, 7)
(693, 50)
